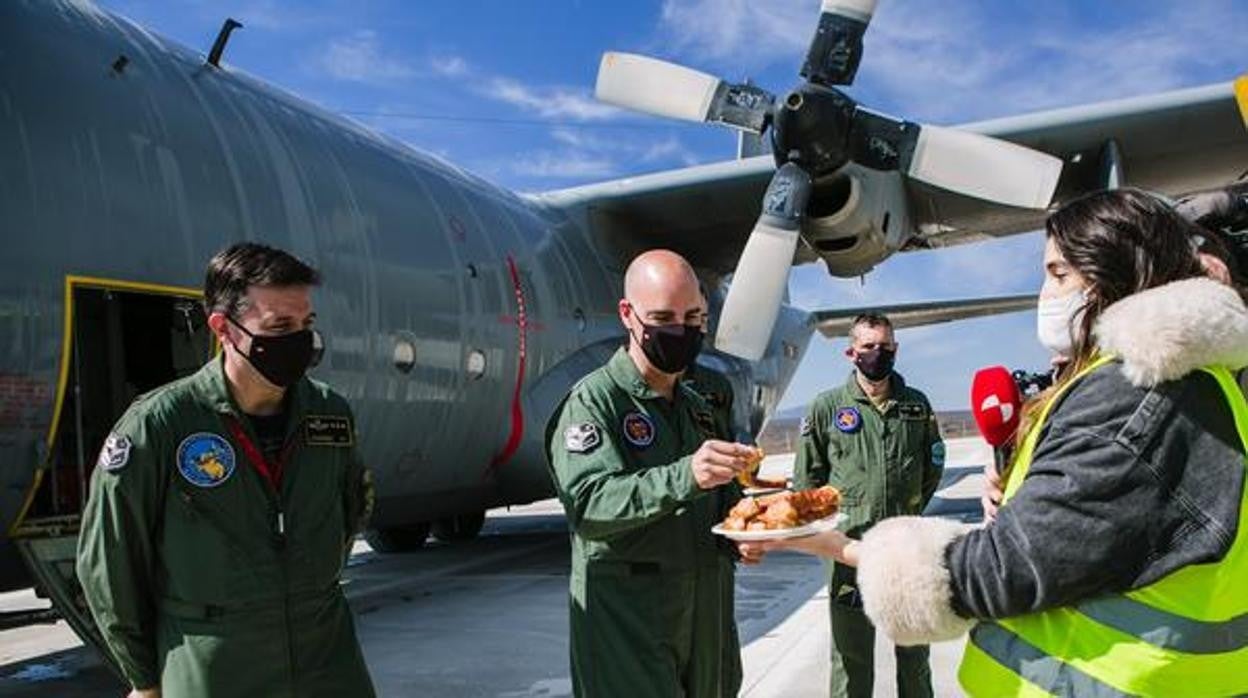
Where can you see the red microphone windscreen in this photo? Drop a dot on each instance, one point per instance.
(996, 404)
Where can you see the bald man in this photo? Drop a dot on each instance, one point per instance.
(642, 477)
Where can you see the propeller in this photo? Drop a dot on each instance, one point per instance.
(657, 87)
(815, 130)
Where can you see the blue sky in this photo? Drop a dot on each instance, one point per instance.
(504, 89)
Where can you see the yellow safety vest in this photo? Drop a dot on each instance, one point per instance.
(1183, 635)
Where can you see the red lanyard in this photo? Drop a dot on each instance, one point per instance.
(271, 471)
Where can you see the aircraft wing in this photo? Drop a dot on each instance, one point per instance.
(1172, 142)
(836, 323)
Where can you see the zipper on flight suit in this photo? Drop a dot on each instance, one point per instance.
(279, 520)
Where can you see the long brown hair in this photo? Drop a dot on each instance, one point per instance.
(1121, 241)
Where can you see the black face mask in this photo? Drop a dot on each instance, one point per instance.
(875, 365)
(282, 359)
(671, 348)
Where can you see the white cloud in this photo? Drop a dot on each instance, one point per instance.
(619, 148)
(562, 164)
(748, 33)
(359, 58)
(549, 102)
(449, 66)
(669, 149)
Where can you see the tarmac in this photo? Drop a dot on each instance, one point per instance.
(488, 617)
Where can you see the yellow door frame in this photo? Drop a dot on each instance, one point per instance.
(72, 283)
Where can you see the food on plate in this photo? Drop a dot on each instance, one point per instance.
(783, 510)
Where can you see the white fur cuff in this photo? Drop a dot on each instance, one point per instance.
(904, 582)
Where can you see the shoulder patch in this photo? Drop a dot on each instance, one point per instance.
(804, 427)
(848, 419)
(582, 438)
(638, 429)
(206, 459)
(115, 453)
(328, 430)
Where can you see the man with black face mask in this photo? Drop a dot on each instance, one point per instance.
(223, 505)
(636, 461)
(876, 440)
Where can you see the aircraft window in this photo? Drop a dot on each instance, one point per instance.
(318, 347)
(404, 355)
(579, 316)
(476, 364)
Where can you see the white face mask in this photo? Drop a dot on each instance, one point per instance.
(1057, 319)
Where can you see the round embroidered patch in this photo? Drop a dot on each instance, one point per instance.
(206, 460)
(848, 419)
(638, 429)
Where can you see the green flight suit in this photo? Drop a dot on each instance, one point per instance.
(886, 461)
(651, 602)
(203, 580)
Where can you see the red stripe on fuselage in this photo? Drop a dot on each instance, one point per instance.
(517, 410)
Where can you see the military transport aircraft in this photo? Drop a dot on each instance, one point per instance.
(458, 314)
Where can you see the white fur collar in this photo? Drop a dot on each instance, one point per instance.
(1165, 333)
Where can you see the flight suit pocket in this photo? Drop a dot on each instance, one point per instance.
(203, 656)
(630, 634)
(854, 506)
(623, 601)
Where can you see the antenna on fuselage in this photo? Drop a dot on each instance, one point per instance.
(218, 46)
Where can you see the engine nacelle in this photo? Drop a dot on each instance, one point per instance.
(856, 219)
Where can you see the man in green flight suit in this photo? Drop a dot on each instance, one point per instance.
(643, 479)
(223, 505)
(876, 440)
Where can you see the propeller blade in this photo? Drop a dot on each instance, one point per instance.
(657, 87)
(983, 167)
(757, 289)
(836, 50)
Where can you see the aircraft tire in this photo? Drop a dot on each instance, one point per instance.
(399, 539)
(453, 529)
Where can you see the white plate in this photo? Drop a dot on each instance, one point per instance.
(810, 529)
(760, 491)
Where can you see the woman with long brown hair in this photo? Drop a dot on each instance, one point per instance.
(1118, 562)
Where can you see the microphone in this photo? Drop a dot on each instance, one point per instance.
(996, 404)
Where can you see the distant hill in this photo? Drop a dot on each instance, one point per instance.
(781, 433)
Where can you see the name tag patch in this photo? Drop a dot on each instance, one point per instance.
(328, 430)
(705, 423)
(911, 410)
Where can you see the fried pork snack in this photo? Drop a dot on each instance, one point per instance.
(783, 510)
(755, 459)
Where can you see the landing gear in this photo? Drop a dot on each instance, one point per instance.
(400, 539)
(457, 528)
